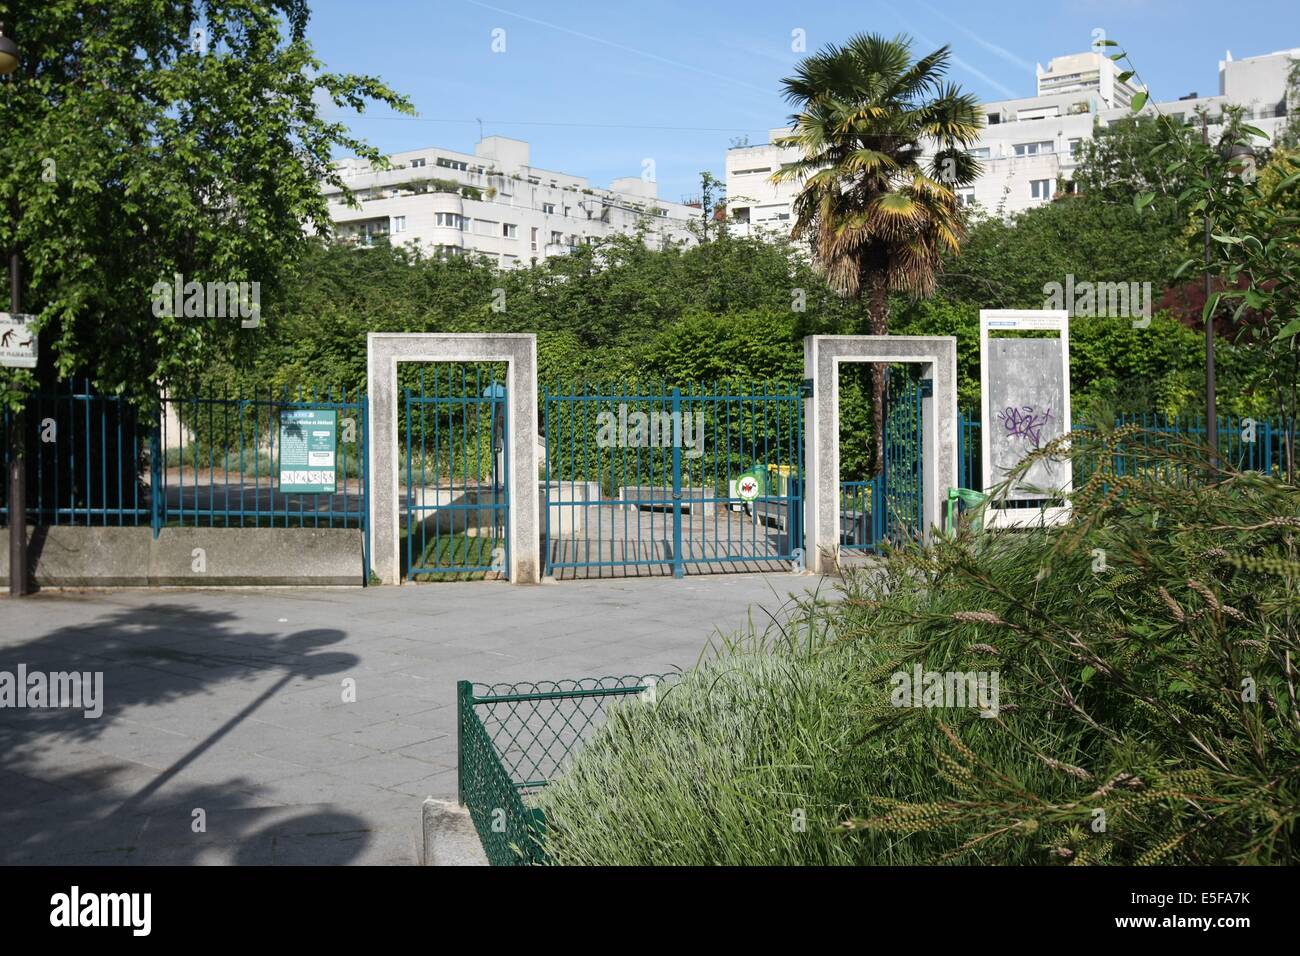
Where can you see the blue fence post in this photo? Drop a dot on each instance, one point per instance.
(157, 490)
(1268, 447)
(679, 567)
(963, 472)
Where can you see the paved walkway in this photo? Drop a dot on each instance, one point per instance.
(232, 703)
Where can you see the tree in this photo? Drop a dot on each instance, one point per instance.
(1124, 159)
(878, 216)
(1256, 257)
(1250, 250)
(149, 138)
(1006, 264)
(711, 191)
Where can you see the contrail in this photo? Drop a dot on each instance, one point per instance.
(1002, 88)
(626, 49)
(987, 44)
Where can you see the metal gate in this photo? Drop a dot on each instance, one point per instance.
(456, 461)
(672, 480)
(889, 507)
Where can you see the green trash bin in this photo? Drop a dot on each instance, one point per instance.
(968, 497)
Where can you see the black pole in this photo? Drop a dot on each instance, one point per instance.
(1211, 408)
(17, 463)
(18, 422)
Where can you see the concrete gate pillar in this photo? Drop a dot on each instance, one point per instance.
(519, 353)
(823, 355)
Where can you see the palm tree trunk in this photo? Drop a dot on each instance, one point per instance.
(878, 320)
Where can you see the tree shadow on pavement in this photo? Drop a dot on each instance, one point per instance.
(119, 788)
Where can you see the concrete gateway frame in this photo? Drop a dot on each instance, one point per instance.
(519, 352)
(823, 355)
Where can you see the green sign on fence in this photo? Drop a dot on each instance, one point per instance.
(308, 450)
(752, 485)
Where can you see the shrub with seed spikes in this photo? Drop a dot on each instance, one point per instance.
(1148, 712)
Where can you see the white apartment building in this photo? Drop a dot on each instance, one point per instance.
(494, 203)
(1028, 144)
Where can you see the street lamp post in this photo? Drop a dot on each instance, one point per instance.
(1211, 406)
(1240, 160)
(17, 459)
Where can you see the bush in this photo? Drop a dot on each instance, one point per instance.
(1146, 655)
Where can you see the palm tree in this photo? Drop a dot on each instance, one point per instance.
(884, 142)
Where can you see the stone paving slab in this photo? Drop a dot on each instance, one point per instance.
(232, 703)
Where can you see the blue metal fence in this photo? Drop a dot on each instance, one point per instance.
(83, 452)
(218, 454)
(1245, 444)
(197, 461)
(457, 459)
(889, 507)
(636, 480)
(664, 480)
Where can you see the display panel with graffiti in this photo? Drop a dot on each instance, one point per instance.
(1026, 401)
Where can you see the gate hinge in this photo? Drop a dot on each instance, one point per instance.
(806, 388)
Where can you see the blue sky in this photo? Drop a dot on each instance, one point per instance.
(598, 87)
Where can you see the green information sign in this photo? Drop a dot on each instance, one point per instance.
(308, 450)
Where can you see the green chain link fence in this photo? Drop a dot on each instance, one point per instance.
(514, 738)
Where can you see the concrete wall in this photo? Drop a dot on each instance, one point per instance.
(192, 557)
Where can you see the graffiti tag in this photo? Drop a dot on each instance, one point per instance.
(1025, 422)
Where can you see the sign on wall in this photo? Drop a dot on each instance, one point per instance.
(19, 347)
(1025, 403)
(308, 450)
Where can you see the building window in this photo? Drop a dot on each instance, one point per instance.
(1033, 149)
(548, 208)
(372, 232)
(399, 224)
(1040, 188)
(965, 197)
(1074, 147)
(453, 164)
(995, 119)
(557, 238)
(450, 220)
(417, 163)
(509, 230)
(534, 239)
(982, 152)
